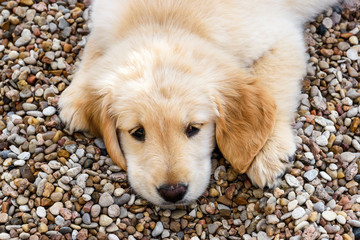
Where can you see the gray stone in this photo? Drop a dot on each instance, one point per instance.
(106, 200)
(347, 156)
(114, 210)
(86, 218)
(62, 23)
(105, 220)
(319, 207)
(29, 107)
(100, 143)
(212, 228)
(122, 199)
(343, 46)
(59, 220)
(95, 210)
(13, 55)
(311, 175)
(352, 93)
(81, 180)
(72, 172)
(272, 219)
(321, 141)
(292, 181)
(159, 228)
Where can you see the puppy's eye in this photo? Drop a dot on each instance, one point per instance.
(191, 131)
(138, 134)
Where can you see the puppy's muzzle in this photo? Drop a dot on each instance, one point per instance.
(172, 192)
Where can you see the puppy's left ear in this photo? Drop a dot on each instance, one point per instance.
(111, 140)
(83, 109)
(246, 119)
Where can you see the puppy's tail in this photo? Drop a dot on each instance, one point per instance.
(307, 9)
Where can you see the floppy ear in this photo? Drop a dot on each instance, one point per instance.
(84, 108)
(247, 114)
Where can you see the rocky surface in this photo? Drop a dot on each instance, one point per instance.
(55, 185)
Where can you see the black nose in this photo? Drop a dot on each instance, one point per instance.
(172, 192)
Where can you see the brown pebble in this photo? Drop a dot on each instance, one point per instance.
(327, 52)
(224, 200)
(67, 47)
(354, 124)
(63, 153)
(130, 229)
(26, 2)
(175, 226)
(346, 35)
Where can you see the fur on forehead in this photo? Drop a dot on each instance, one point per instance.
(139, 104)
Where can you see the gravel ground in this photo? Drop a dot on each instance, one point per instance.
(60, 186)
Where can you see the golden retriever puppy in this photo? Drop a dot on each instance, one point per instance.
(163, 81)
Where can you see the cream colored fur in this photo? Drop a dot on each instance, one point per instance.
(229, 67)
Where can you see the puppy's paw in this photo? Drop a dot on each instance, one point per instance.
(271, 163)
(72, 108)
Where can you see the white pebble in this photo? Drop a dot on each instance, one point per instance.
(292, 205)
(352, 112)
(24, 156)
(321, 141)
(331, 129)
(298, 213)
(41, 212)
(19, 163)
(327, 22)
(49, 111)
(329, 215)
(354, 40)
(13, 55)
(309, 188)
(302, 198)
(56, 44)
(333, 167)
(309, 155)
(4, 236)
(352, 54)
(113, 237)
(14, 149)
(347, 156)
(341, 219)
(355, 144)
(325, 176)
(354, 223)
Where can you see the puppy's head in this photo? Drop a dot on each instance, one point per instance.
(167, 137)
(159, 121)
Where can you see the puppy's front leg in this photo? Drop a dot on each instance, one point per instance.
(273, 159)
(280, 71)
